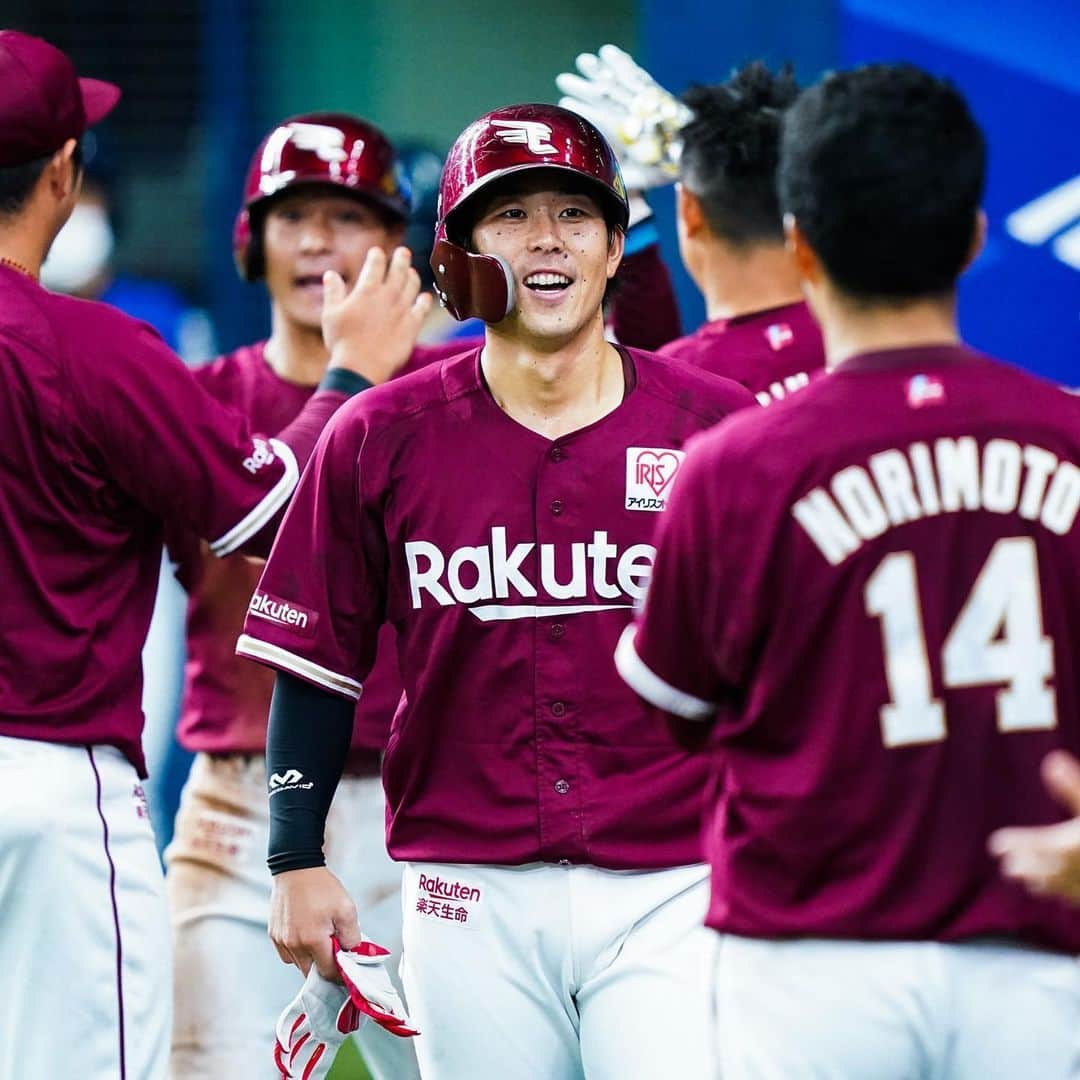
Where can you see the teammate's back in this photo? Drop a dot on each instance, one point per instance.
(922, 506)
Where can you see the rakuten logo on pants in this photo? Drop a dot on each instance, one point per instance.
(594, 570)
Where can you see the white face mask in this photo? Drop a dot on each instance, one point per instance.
(80, 252)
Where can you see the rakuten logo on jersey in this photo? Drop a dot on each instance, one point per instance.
(474, 576)
(260, 456)
(291, 616)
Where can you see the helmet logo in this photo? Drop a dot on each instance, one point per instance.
(325, 142)
(532, 134)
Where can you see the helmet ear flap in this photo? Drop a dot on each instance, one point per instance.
(247, 245)
(472, 286)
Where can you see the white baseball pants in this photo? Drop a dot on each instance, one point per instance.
(84, 935)
(836, 1010)
(558, 972)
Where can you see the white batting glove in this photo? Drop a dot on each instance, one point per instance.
(320, 1018)
(312, 1027)
(634, 112)
(363, 970)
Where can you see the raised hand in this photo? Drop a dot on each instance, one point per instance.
(372, 328)
(637, 115)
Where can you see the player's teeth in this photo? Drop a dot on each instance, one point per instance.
(547, 279)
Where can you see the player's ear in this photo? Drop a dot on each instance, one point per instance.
(616, 246)
(978, 238)
(803, 255)
(691, 216)
(63, 173)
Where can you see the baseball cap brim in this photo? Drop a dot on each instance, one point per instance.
(99, 99)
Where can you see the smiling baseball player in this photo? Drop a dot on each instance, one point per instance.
(497, 509)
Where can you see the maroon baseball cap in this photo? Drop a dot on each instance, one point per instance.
(43, 102)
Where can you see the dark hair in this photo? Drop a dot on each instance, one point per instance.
(883, 168)
(17, 181)
(730, 152)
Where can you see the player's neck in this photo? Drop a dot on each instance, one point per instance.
(295, 352)
(557, 391)
(850, 329)
(23, 246)
(741, 282)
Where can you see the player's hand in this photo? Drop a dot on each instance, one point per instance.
(307, 909)
(1046, 858)
(371, 329)
(636, 114)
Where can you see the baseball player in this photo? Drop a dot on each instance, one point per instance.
(104, 439)
(722, 143)
(876, 622)
(322, 190)
(496, 510)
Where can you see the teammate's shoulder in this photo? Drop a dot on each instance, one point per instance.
(688, 387)
(231, 365)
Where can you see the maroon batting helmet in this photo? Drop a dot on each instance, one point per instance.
(507, 141)
(316, 149)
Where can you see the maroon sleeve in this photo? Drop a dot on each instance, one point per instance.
(645, 313)
(689, 643)
(181, 454)
(321, 599)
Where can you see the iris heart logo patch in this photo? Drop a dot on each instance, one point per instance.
(650, 473)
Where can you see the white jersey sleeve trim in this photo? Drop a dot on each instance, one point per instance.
(266, 508)
(647, 684)
(254, 649)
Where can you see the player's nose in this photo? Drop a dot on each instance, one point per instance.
(544, 234)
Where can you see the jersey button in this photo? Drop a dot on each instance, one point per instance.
(556, 507)
(562, 787)
(558, 453)
(558, 708)
(557, 630)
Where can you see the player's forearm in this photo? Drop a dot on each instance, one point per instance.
(306, 745)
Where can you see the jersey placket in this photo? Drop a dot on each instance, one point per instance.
(558, 513)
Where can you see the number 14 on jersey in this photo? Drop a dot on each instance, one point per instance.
(997, 638)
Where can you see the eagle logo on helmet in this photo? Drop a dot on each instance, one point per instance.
(532, 134)
(325, 142)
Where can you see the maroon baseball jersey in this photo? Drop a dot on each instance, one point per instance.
(772, 353)
(508, 564)
(104, 437)
(226, 701)
(874, 588)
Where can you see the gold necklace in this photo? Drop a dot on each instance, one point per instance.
(18, 266)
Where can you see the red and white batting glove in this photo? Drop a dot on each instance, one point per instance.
(310, 1030)
(319, 1019)
(363, 970)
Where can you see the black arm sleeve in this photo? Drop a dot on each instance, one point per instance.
(306, 745)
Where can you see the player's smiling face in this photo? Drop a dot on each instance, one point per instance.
(559, 249)
(310, 232)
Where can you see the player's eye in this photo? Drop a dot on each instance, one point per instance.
(353, 217)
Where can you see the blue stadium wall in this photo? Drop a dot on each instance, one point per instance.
(1016, 62)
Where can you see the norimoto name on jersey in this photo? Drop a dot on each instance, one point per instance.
(587, 570)
(924, 480)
